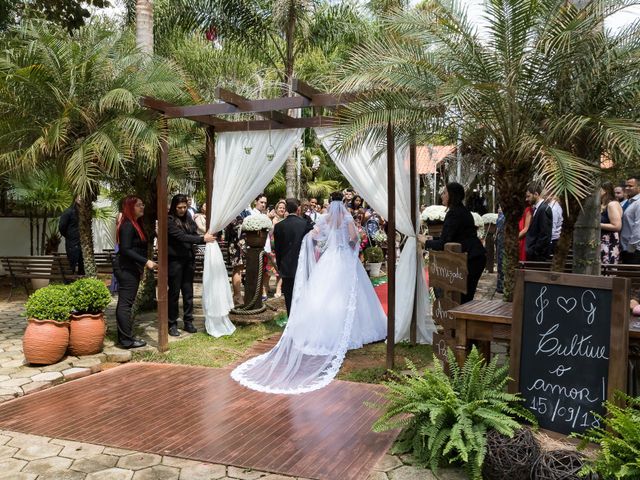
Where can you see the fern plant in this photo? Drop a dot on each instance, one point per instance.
(446, 419)
(619, 439)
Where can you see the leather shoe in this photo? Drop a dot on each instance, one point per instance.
(173, 331)
(188, 327)
(137, 343)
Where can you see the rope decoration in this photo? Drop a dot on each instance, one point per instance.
(510, 458)
(248, 309)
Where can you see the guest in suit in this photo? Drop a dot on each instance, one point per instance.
(459, 227)
(288, 235)
(129, 265)
(538, 239)
(69, 229)
(182, 235)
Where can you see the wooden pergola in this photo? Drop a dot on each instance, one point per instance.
(273, 114)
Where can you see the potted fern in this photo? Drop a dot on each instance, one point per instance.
(444, 419)
(619, 438)
(373, 256)
(46, 337)
(89, 297)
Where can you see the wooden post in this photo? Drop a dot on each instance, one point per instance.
(211, 161)
(391, 250)
(163, 241)
(414, 213)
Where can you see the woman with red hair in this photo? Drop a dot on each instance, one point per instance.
(129, 265)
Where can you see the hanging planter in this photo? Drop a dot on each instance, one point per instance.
(271, 153)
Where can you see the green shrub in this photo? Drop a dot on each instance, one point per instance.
(89, 295)
(619, 439)
(50, 303)
(373, 255)
(446, 420)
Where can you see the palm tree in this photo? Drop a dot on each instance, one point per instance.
(44, 195)
(72, 101)
(144, 26)
(275, 33)
(431, 67)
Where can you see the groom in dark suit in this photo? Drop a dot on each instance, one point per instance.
(538, 239)
(287, 236)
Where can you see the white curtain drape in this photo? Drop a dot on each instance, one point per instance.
(366, 171)
(241, 172)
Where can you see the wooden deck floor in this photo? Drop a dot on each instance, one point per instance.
(201, 414)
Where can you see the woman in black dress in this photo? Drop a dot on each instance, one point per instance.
(183, 235)
(129, 265)
(459, 227)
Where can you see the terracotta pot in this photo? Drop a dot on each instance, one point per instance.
(86, 334)
(256, 239)
(45, 341)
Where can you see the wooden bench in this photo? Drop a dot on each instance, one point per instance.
(104, 260)
(47, 267)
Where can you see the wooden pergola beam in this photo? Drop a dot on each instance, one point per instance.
(244, 105)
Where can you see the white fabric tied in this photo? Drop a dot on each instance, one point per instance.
(240, 175)
(366, 170)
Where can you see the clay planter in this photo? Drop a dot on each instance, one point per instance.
(86, 334)
(45, 341)
(256, 239)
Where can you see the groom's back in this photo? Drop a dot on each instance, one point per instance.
(288, 235)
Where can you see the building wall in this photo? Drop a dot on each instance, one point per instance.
(15, 240)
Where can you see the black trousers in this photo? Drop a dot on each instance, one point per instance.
(74, 255)
(287, 291)
(475, 266)
(128, 283)
(181, 272)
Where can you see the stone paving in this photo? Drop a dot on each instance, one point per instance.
(18, 378)
(32, 457)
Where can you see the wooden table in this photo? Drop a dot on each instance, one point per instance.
(484, 321)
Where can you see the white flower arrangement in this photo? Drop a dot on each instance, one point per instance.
(489, 218)
(379, 236)
(434, 213)
(479, 223)
(256, 222)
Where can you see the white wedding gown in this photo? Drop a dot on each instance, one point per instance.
(334, 308)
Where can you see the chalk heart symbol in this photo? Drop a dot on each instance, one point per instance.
(567, 304)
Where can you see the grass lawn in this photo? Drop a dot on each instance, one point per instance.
(367, 364)
(202, 349)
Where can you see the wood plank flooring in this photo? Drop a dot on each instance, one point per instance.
(201, 414)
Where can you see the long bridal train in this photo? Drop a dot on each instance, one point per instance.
(334, 309)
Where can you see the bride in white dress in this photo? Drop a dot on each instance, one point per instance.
(334, 308)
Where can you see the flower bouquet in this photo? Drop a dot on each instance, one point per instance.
(256, 228)
(491, 218)
(434, 214)
(256, 222)
(379, 237)
(479, 223)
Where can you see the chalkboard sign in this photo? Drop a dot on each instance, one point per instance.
(569, 346)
